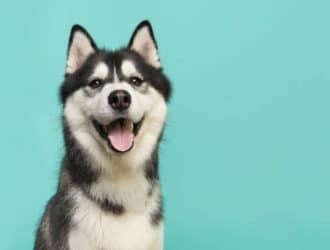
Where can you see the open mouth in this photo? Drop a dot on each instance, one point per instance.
(119, 134)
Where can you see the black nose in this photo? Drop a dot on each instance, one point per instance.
(119, 100)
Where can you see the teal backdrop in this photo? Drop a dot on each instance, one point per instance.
(245, 161)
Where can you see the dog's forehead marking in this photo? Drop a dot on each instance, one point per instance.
(101, 71)
(128, 69)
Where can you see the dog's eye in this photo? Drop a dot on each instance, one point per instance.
(136, 81)
(96, 83)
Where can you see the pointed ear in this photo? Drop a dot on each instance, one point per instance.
(144, 43)
(81, 45)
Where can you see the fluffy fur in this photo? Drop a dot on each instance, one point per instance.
(106, 199)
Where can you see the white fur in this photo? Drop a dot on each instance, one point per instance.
(101, 71)
(98, 230)
(155, 111)
(145, 46)
(149, 104)
(80, 49)
(122, 179)
(128, 68)
(126, 187)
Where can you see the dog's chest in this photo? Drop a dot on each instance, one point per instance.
(100, 230)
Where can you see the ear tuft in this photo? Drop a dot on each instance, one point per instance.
(144, 43)
(81, 45)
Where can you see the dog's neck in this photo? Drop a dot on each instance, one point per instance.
(119, 189)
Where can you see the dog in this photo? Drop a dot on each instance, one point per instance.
(114, 111)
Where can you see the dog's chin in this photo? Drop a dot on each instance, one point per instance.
(119, 134)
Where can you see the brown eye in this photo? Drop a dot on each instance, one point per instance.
(96, 83)
(136, 81)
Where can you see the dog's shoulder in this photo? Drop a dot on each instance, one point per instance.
(55, 222)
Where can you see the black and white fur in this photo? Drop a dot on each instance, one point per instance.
(106, 200)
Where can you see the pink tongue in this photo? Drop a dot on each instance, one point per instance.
(121, 138)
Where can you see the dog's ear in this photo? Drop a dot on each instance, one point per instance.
(81, 45)
(144, 43)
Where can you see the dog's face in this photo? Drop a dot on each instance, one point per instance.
(115, 100)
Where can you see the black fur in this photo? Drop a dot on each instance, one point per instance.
(157, 215)
(76, 163)
(151, 173)
(76, 170)
(58, 211)
(76, 28)
(153, 76)
(141, 25)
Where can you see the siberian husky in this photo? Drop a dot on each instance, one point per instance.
(114, 109)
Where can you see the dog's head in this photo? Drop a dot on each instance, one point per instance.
(115, 100)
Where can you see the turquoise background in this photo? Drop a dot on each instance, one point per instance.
(245, 163)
